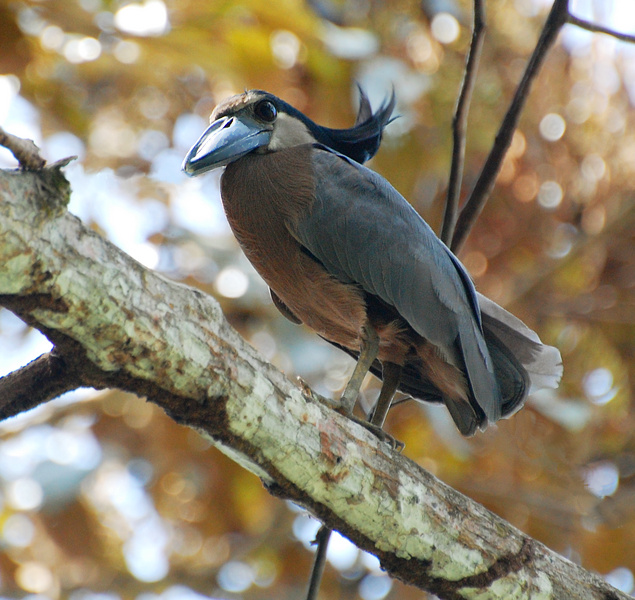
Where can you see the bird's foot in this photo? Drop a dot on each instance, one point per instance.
(305, 388)
(379, 433)
(374, 429)
(307, 391)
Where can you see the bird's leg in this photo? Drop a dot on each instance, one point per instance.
(368, 353)
(392, 373)
(391, 377)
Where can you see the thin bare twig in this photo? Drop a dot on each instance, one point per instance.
(322, 542)
(459, 123)
(474, 205)
(25, 151)
(599, 28)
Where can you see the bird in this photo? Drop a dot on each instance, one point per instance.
(343, 252)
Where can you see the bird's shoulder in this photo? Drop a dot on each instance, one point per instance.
(345, 172)
(344, 187)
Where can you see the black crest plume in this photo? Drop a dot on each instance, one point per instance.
(359, 142)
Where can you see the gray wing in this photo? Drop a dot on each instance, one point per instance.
(363, 231)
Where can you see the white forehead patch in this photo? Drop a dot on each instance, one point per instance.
(289, 132)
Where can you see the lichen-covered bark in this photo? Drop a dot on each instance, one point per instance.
(116, 324)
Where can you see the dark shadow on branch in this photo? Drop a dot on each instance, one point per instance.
(43, 379)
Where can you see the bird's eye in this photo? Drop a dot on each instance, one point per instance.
(266, 111)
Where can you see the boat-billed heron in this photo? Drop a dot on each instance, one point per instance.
(346, 254)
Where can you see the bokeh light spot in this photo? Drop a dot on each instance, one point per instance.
(622, 579)
(151, 142)
(550, 195)
(235, 576)
(265, 572)
(126, 52)
(285, 47)
(602, 478)
(305, 529)
(25, 494)
(552, 127)
(153, 104)
(78, 50)
(445, 28)
(341, 553)
(145, 551)
(18, 530)
(52, 37)
(232, 283)
(147, 19)
(375, 587)
(594, 219)
(34, 577)
(215, 550)
(265, 343)
(145, 253)
(518, 146)
(562, 240)
(350, 43)
(525, 187)
(476, 263)
(598, 386)
(419, 47)
(371, 562)
(9, 89)
(593, 167)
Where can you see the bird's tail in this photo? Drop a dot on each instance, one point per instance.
(522, 363)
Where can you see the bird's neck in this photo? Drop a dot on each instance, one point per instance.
(262, 194)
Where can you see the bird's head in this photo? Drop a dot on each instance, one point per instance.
(257, 121)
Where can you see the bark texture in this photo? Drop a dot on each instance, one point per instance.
(115, 323)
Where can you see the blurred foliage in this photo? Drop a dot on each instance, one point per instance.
(108, 495)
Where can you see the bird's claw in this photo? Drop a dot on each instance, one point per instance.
(379, 433)
(305, 387)
(307, 391)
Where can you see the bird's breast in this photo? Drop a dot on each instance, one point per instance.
(264, 193)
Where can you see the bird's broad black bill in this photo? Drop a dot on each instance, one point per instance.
(227, 139)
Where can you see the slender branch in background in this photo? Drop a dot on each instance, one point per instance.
(25, 151)
(599, 29)
(459, 123)
(474, 205)
(322, 542)
(43, 379)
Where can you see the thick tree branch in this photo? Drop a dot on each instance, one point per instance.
(459, 123)
(485, 182)
(117, 324)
